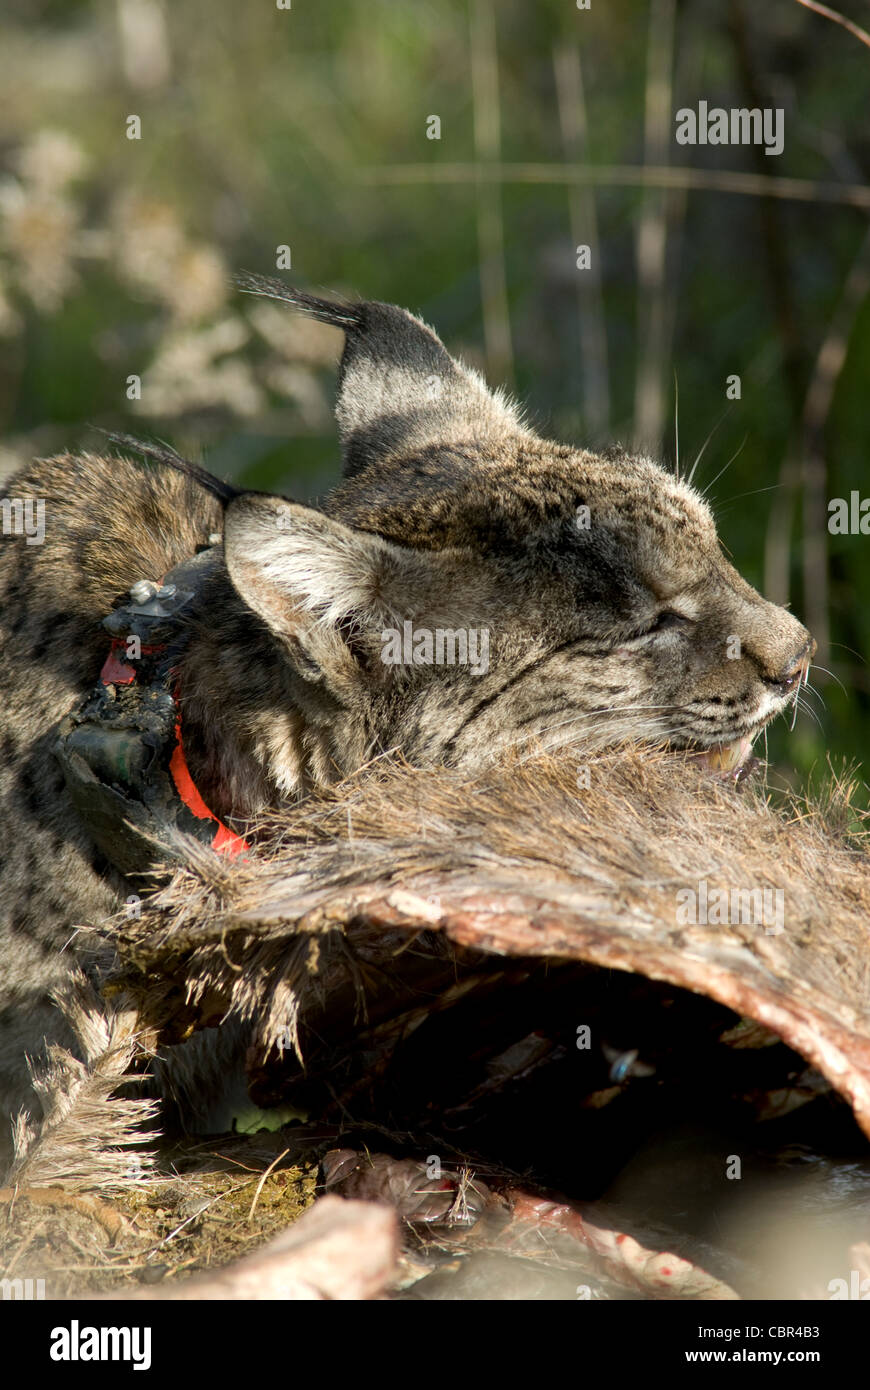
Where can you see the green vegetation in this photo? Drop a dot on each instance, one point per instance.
(307, 128)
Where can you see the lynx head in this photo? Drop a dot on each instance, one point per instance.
(470, 586)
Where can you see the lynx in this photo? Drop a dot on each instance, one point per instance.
(610, 611)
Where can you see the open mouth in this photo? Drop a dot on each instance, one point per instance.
(732, 761)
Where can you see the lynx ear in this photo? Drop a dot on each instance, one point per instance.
(319, 586)
(399, 389)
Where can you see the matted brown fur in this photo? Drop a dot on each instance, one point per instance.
(524, 861)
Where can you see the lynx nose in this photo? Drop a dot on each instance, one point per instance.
(796, 669)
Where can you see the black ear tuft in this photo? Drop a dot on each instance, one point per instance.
(400, 391)
(341, 315)
(165, 454)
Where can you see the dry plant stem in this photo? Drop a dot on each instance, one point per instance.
(805, 461)
(828, 13)
(651, 244)
(490, 228)
(855, 195)
(595, 376)
(261, 1184)
(774, 241)
(820, 395)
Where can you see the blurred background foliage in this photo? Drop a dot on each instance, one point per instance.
(307, 127)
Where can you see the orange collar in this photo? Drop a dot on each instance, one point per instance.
(225, 841)
(117, 671)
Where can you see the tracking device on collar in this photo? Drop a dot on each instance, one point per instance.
(122, 752)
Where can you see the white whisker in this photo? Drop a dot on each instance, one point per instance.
(701, 451)
(677, 425)
(807, 709)
(811, 689)
(817, 667)
(737, 451)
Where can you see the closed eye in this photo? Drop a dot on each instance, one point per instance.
(668, 618)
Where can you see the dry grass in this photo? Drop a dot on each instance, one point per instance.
(156, 1231)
